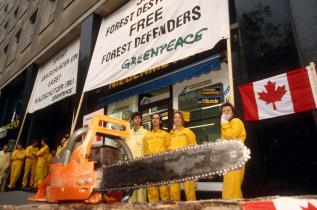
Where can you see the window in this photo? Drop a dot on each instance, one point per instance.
(48, 14)
(32, 25)
(67, 3)
(16, 11)
(153, 102)
(52, 12)
(203, 106)
(5, 49)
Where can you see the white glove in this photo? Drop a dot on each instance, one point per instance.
(224, 119)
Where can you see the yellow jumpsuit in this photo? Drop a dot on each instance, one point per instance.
(155, 142)
(181, 138)
(61, 148)
(30, 165)
(41, 165)
(135, 144)
(232, 181)
(49, 157)
(17, 160)
(4, 163)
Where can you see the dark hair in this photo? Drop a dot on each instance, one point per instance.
(160, 120)
(136, 114)
(230, 105)
(180, 113)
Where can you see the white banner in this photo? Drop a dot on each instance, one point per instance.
(144, 34)
(56, 79)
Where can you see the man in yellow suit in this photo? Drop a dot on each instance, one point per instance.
(181, 138)
(4, 160)
(155, 141)
(30, 164)
(49, 157)
(41, 164)
(232, 128)
(135, 144)
(62, 145)
(17, 160)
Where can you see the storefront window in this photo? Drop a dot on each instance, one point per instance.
(155, 102)
(203, 105)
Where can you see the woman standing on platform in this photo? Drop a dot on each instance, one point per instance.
(232, 129)
(180, 138)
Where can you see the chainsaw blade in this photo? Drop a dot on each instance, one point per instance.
(174, 166)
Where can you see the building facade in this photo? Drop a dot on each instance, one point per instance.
(267, 37)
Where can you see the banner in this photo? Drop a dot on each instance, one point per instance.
(56, 79)
(294, 91)
(145, 34)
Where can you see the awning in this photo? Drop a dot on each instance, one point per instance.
(202, 67)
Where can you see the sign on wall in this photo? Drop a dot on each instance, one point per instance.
(56, 79)
(144, 34)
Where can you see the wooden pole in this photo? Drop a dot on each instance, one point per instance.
(77, 113)
(230, 72)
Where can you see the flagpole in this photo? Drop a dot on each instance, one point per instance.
(230, 72)
(313, 66)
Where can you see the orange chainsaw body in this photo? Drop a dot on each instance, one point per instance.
(75, 180)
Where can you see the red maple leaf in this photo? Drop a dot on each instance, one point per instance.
(309, 207)
(272, 95)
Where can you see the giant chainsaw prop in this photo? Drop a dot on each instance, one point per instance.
(75, 175)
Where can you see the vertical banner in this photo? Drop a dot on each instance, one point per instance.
(56, 79)
(145, 34)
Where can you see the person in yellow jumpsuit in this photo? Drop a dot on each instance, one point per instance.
(155, 141)
(61, 146)
(30, 164)
(4, 160)
(17, 161)
(232, 128)
(135, 144)
(41, 164)
(49, 158)
(180, 138)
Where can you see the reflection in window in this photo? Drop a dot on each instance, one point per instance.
(266, 36)
(203, 105)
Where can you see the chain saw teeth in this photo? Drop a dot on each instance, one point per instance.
(174, 166)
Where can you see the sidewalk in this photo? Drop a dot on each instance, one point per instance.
(17, 200)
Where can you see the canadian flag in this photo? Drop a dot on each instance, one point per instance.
(287, 93)
(283, 203)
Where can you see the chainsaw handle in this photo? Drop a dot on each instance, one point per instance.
(71, 143)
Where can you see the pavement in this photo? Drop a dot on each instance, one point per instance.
(15, 198)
